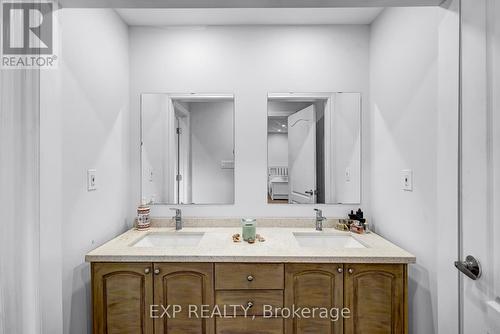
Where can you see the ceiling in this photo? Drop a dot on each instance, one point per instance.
(246, 16)
(245, 3)
(277, 125)
(278, 112)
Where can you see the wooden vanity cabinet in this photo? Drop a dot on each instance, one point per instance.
(184, 284)
(124, 292)
(255, 284)
(314, 285)
(121, 295)
(375, 294)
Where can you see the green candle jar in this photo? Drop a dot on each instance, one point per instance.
(249, 228)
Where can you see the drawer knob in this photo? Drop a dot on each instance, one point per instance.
(157, 271)
(340, 270)
(351, 270)
(249, 304)
(250, 278)
(147, 270)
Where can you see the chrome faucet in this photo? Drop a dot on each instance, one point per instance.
(319, 220)
(178, 219)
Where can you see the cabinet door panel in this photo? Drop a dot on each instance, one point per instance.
(228, 298)
(122, 293)
(313, 286)
(376, 296)
(242, 325)
(184, 284)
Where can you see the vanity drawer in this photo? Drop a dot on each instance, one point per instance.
(233, 276)
(242, 325)
(258, 298)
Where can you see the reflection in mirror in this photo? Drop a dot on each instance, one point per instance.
(314, 148)
(187, 151)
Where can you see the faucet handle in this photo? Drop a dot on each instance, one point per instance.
(319, 214)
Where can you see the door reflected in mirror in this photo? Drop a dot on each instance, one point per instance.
(187, 150)
(314, 148)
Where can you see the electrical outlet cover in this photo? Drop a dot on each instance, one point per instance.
(91, 180)
(407, 179)
(347, 174)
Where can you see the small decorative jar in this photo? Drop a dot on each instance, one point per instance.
(249, 228)
(143, 220)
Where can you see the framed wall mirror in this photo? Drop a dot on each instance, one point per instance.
(187, 148)
(314, 148)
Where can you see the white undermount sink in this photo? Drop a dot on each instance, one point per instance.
(170, 239)
(326, 240)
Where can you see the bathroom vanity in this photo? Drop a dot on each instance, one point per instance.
(213, 282)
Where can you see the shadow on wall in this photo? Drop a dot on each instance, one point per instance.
(418, 280)
(81, 300)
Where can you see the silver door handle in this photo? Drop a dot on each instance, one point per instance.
(470, 267)
(310, 192)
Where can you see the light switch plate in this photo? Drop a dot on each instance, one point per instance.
(347, 174)
(407, 180)
(91, 180)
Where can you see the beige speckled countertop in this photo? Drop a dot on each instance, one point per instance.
(216, 245)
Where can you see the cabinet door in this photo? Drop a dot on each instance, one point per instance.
(376, 297)
(313, 286)
(122, 293)
(184, 285)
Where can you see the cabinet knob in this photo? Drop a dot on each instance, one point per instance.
(350, 270)
(249, 304)
(157, 271)
(340, 270)
(147, 271)
(249, 278)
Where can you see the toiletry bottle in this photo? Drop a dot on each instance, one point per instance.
(143, 220)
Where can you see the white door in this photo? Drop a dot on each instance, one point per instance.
(480, 200)
(302, 156)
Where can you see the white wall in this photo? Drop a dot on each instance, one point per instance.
(212, 139)
(87, 105)
(447, 157)
(249, 62)
(277, 149)
(347, 147)
(403, 136)
(155, 148)
(413, 126)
